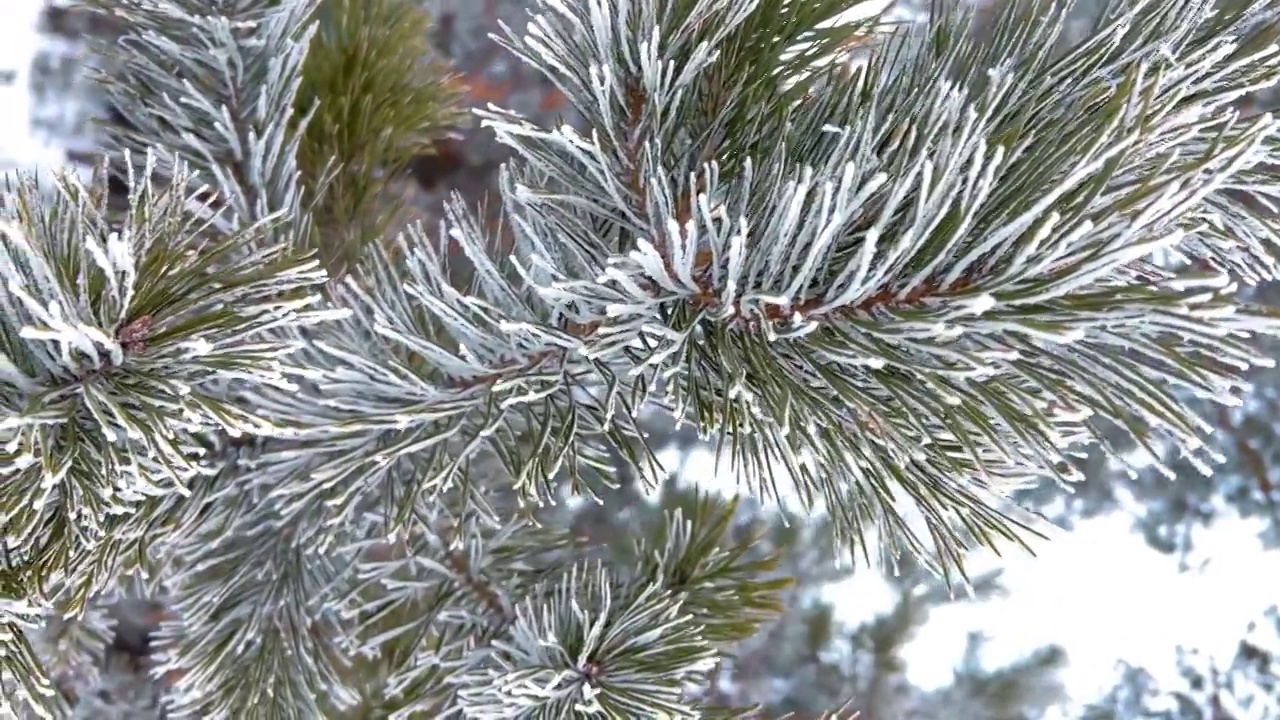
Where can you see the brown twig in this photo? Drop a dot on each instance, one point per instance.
(1252, 458)
(477, 584)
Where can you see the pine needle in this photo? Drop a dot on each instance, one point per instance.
(379, 100)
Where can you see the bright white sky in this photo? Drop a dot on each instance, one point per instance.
(1099, 591)
(1103, 595)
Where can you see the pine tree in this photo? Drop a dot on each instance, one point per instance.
(898, 292)
(1175, 497)
(808, 660)
(1175, 500)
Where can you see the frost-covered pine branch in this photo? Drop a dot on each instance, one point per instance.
(123, 331)
(897, 291)
(217, 82)
(917, 284)
(118, 340)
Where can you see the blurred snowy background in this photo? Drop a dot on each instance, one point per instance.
(1157, 600)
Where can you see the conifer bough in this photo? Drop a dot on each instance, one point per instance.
(898, 292)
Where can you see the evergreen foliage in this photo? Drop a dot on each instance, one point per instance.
(897, 293)
(807, 660)
(1172, 503)
(1243, 441)
(378, 99)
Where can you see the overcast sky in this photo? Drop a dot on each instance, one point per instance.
(1105, 596)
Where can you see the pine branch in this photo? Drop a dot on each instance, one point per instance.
(235, 649)
(105, 337)
(380, 101)
(433, 376)
(215, 86)
(922, 281)
(632, 644)
(112, 327)
(429, 604)
(25, 684)
(171, 318)
(899, 292)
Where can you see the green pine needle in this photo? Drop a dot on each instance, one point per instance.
(379, 100)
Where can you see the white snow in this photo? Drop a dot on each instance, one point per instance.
(22, 148)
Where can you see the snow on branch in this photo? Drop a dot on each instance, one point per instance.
(216, 88)
(117, 344)
(427, 373)
(920, 278)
